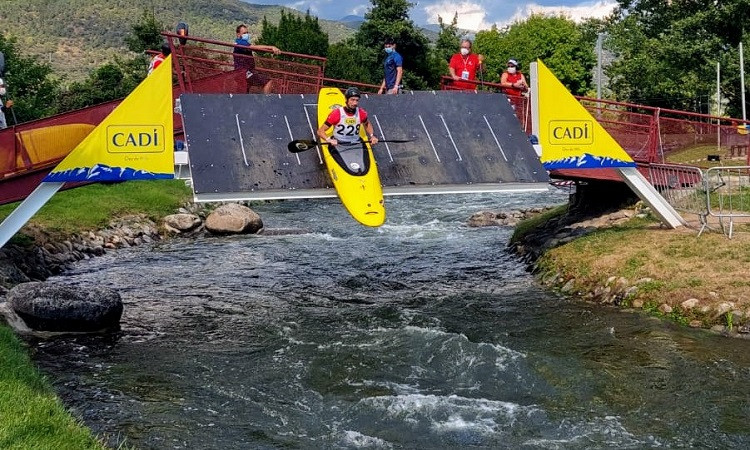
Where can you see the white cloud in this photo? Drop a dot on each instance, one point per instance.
(474, 16)
(471, 16)
(576, 13)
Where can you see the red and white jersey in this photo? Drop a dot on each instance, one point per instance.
(155, 61)
(346, 126)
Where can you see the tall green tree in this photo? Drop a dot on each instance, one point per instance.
(557, 41)
(31, 85)
(449, 38)
(295, 34)
(391, 18)
(666, 52)
(145, 34)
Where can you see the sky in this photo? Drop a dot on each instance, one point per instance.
(473, 15)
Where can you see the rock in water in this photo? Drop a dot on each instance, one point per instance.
(48, 307)
(233, 218)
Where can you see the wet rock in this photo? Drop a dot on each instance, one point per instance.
(181, 223)
(47, 307)
(482, 219)
(233, 218)
(637, 303)
(665, 309)
(695, 324)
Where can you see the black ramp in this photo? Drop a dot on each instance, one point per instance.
(461, 142)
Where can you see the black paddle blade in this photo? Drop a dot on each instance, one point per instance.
(300, 145)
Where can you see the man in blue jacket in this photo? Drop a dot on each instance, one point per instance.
(393, 67)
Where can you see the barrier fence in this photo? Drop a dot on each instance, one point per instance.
(717, 197)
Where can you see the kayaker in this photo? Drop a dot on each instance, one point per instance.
(347, 121)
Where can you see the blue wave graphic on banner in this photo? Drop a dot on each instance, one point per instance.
(100, 172)
(587, 161)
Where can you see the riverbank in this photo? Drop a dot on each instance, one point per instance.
(626, 259)
(74, 225)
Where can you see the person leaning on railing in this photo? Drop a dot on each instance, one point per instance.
(512, 80)
(247, 61)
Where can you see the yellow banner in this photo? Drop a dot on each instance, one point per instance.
(570, 137)
(134, 142)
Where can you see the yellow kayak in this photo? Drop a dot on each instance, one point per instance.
(352, 168)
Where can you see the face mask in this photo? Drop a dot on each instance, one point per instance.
(2, 91)
(389, 49)
(511, 70)
(246, 37)
(464, 51)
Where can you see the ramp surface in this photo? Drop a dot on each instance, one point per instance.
(461, 142)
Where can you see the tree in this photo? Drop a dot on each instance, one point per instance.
(667, 52)
(30, 84)
(295, 34)
(108, 82)
(449, 38)
(557, 41)
(145, 34)
(391, 18)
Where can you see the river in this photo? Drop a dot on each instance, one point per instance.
(421, 334)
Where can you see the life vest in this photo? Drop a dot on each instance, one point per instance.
(347, 129)
(155, 61)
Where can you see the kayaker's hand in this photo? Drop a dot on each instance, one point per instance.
(333, 142)
(373, 139)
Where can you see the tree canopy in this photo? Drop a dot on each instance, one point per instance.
(557, 41)
(295, 34)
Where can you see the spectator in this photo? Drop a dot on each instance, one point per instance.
(159, 58)
(347, 121)
(244, 59)
(393, 66)
(464, 66)
(4, 105)
(513, 81)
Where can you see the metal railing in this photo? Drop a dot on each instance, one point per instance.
(728, 195)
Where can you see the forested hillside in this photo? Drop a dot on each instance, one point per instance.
(76, 36)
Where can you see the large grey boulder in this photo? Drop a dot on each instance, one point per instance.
(48, 307)
(233, 218)
(181, 223)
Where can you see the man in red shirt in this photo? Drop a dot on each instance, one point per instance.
(347, 121)
(464, 66)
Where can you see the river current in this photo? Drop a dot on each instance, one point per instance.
(421, 334)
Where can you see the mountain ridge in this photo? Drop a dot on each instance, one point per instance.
(78, 36)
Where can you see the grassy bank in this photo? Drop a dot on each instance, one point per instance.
(93, 206)
(31, 416)
(700, 281)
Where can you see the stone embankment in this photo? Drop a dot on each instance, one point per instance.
(720, 316)
(34, 306)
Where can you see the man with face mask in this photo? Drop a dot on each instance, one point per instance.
(513, 81)
(393, 67)
(347, 121)
(4, 105)
(244, 59)
(464, 66)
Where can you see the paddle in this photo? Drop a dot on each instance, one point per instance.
(300, 145)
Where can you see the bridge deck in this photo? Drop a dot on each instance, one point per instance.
(461, 142)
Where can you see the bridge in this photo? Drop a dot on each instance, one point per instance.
(202, 66)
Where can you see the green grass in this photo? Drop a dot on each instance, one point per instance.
(697, 156)
(533, 223)
(94, 206)
(31, 416)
